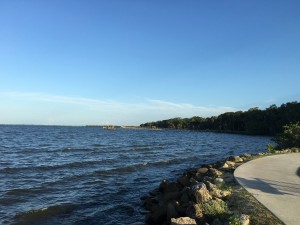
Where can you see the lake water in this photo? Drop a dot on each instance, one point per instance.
(84, 175)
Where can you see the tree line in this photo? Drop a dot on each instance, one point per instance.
(254, 121)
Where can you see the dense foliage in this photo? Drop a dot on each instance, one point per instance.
(254, 121)
(290, 137)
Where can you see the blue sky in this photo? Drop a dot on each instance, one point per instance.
(134, 61)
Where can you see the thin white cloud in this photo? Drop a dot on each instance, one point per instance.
(55, 98)
(89, 110)
(191, 107)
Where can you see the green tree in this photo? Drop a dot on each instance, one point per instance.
(290, 137)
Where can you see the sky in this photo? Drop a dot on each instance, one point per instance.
(127, 62)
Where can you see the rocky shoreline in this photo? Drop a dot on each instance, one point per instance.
(207, 195)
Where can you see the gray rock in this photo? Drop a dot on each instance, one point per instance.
(184, 181)
(201, 194)
(183, 221)
(247, 155)
(224, 166)
(171, 212)
(215, 172)
(159, 214)
(202, 170)
(167, 187)
(244, 219)
(235, 159)
(215, 192)
(219, 180)
(230, 163)
(170, 196)
(194, 211)
(184, 197)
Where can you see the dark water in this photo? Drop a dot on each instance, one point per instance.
(80, 175)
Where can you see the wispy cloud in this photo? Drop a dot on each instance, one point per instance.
(90, 110)
(54, 98)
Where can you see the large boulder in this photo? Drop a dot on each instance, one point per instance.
(183, 221)
(159, 214)
(194, 211)
(171, 211)
(201, 193)
(170, 196)
(167, 187)
(184, 181)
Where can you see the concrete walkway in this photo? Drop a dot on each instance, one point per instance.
(273, 181)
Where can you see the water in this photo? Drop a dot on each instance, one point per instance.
(82, 175)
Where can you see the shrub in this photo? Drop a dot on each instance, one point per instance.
(216, 208)
(234, 220)
(271, 148)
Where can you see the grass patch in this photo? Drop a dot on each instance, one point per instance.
(242, 202)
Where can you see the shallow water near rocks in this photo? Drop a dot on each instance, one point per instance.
(87, 175)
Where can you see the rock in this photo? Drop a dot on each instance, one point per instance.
(209, 185)
(159, 214)
(181, 209)
(194, 211)
(167, 187)
(246, 155)
(163, 185)
(224, 166)
(216, 222)
(228, 178)
(193, 181)
(185, 198)
(244, 219)
(171, 212)
(215, 172)
(183, 221)
(230, 163)
(215, 192)
(201, 194)
(184, 181)
(219, 180)
(235, 159)
(202, 170)
(170, 196)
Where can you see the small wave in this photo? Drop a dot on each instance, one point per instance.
(75, 149)
(98, 145)
(72, 165)
(38, 215)
(29, 191)
(128, 209)
(137, 167)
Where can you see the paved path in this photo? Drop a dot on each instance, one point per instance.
(273, 181)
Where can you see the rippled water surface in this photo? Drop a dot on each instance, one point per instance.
(84, 175)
